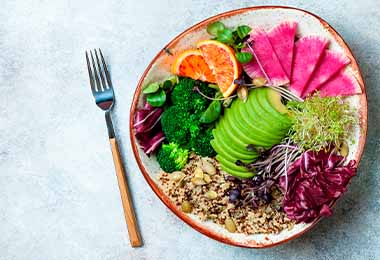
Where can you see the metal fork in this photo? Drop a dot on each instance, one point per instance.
(101, 87)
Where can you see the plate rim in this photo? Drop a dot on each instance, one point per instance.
(165, 199)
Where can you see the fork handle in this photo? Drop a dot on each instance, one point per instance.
(130, 217)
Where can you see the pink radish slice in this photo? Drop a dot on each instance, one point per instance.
(266, 58)
(281, 38)
(252, 68)
(341, 84)
(331, 64)
(307, 53)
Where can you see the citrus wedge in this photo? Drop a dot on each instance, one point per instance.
(222, 61)
(191, 64)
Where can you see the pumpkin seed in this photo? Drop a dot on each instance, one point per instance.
(242, 93)
(211, 195)
(176, 176)
(186, 206)
(198, 181)
(259, 82)
(230, 225)
(208, 167)
(198, 173)
(207, 178)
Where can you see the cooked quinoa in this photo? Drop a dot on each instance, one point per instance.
(201, 188)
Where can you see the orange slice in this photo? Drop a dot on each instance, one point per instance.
(191, 64)
(222, 61)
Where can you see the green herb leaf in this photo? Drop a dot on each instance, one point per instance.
(225, 36)
(151, 88)
(212, 112)
(167, 84)
(157, 99)
(243, 57)
(215, 28)
(243, 31)
(174, 79)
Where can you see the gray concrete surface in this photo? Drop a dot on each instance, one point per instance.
(58, 191)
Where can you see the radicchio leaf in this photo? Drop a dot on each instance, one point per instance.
(148, 128)
(313, 183)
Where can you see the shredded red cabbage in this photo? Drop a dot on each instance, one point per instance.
(313, 183)
(148, 128)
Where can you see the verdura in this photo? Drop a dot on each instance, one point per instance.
(180, 122)
(201, 143)
(176, 124)
(184, 95)
(171, 157)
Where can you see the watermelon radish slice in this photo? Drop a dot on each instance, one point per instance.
(252, 68)
(308, 51)
(267, 60)
(331, 64)
(340, 85)
(282, 39)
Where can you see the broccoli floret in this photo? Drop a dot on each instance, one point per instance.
(171, 157)
(179, 125)
(201, 143)
(184, 95)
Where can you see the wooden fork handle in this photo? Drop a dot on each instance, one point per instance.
(130, 217)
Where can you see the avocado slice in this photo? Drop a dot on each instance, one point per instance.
(241, 173)
(226, 154)
(255, 114)
(228, 140)
(243, 138)
(247, 128)
(263, 99)
(246, 138)
(233, 169)
(242, 153)
(275, 99)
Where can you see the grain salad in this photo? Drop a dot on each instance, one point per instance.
(202, 188)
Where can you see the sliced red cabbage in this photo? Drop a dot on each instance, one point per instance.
(148, 128)
(313, 183)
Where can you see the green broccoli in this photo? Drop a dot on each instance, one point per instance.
(171, 157)
(181, 121)
(184, 95)
(201, 143)
(179, 125)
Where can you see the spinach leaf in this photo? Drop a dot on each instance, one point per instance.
(157, 99)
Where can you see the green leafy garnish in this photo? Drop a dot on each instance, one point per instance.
(212, 112)
(225, 36)
(215, 28)
(157, 99)
(243, 57)
(233, 38)
(319, 122)
(242, 31)
(167, 84)
(151, 88)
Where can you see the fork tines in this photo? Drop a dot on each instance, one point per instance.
(100, 79)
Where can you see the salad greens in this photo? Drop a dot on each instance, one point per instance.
(234, 38)
(156, 92)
